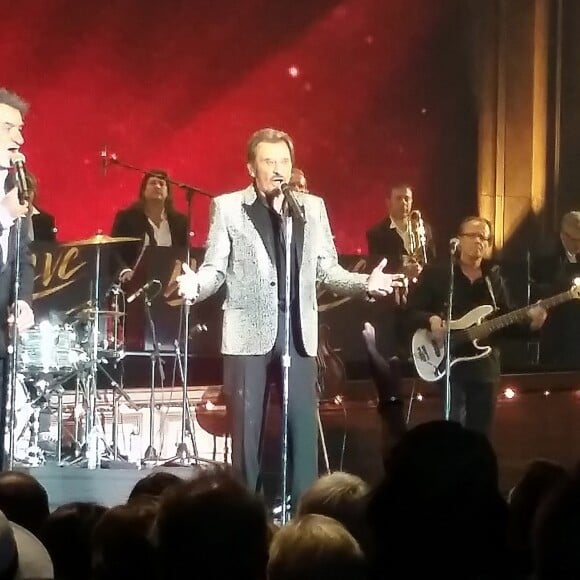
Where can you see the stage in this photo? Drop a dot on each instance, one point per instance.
(537, 415)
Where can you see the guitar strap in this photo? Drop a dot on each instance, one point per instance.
(491, 293)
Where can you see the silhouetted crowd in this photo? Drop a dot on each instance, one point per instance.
(438, 511)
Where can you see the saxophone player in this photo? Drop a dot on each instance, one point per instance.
(406, 241)
(402, 237)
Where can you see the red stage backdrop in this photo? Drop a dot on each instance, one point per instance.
(374, 92)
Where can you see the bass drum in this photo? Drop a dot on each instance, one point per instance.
(47, 349)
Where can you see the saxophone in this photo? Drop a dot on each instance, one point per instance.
(416, 234)
(417, 237)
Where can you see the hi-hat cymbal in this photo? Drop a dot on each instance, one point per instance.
(100, 240)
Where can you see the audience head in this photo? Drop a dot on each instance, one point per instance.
(122, 543)
(315, 547)
(341, 496)
(154, 484)
(556, 534)
(538, 481)
(215, 515)
(22, 555)
(445, 477)
(67, 535)
(23, 500)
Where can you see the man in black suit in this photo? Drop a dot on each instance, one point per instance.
(553, 270)
(391, 237)
(153, 219)
(12, 111)
(42, 225)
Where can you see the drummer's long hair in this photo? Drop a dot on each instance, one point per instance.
(161, 174)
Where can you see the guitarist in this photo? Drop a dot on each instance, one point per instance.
(473, 383)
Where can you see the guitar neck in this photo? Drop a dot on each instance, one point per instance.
(486, 328)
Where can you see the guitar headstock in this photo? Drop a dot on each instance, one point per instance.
(575, 289)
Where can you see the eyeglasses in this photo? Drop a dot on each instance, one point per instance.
(475, 236)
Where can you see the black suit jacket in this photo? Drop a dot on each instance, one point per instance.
(43, 227)
(7, 280)
(552, 273)
(384, 241)
(8, 273)
(132, 222)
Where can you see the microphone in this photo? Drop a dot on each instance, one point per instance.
(17, 161)
(142, 290)
(107, 159)
(453, 245)
(104, 160)
(288, 192)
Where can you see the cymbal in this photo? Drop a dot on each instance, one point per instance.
(91, 312)
(100, 240)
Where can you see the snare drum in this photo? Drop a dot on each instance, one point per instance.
(47, 348)
(110, 330)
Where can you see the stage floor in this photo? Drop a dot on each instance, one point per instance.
(538, 417)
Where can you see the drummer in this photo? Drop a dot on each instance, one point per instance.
(153, 219)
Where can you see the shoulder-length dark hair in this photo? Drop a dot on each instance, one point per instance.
(161, 174)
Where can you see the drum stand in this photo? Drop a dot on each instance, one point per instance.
(90, 456)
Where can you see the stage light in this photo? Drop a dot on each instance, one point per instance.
(546, 393)
(509, 393)
(293, 71)
(419, 397)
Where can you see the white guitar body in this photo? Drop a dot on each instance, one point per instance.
(429, 357)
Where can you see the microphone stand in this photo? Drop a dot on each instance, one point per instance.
(182, 452)
(286, 359)
(156, 361)
(448, 334)
(13, 345)
(288, 209)
(112, 159)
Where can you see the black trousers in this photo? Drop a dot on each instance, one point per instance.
(472, 402)
(245, 388)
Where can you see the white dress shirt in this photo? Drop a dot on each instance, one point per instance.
(403, 234)
(571, 257)
(162, 233)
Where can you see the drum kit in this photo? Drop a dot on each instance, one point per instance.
(71, 346)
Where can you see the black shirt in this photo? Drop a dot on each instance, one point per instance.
(279, 237)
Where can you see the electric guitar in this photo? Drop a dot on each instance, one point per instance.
(429, 356)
